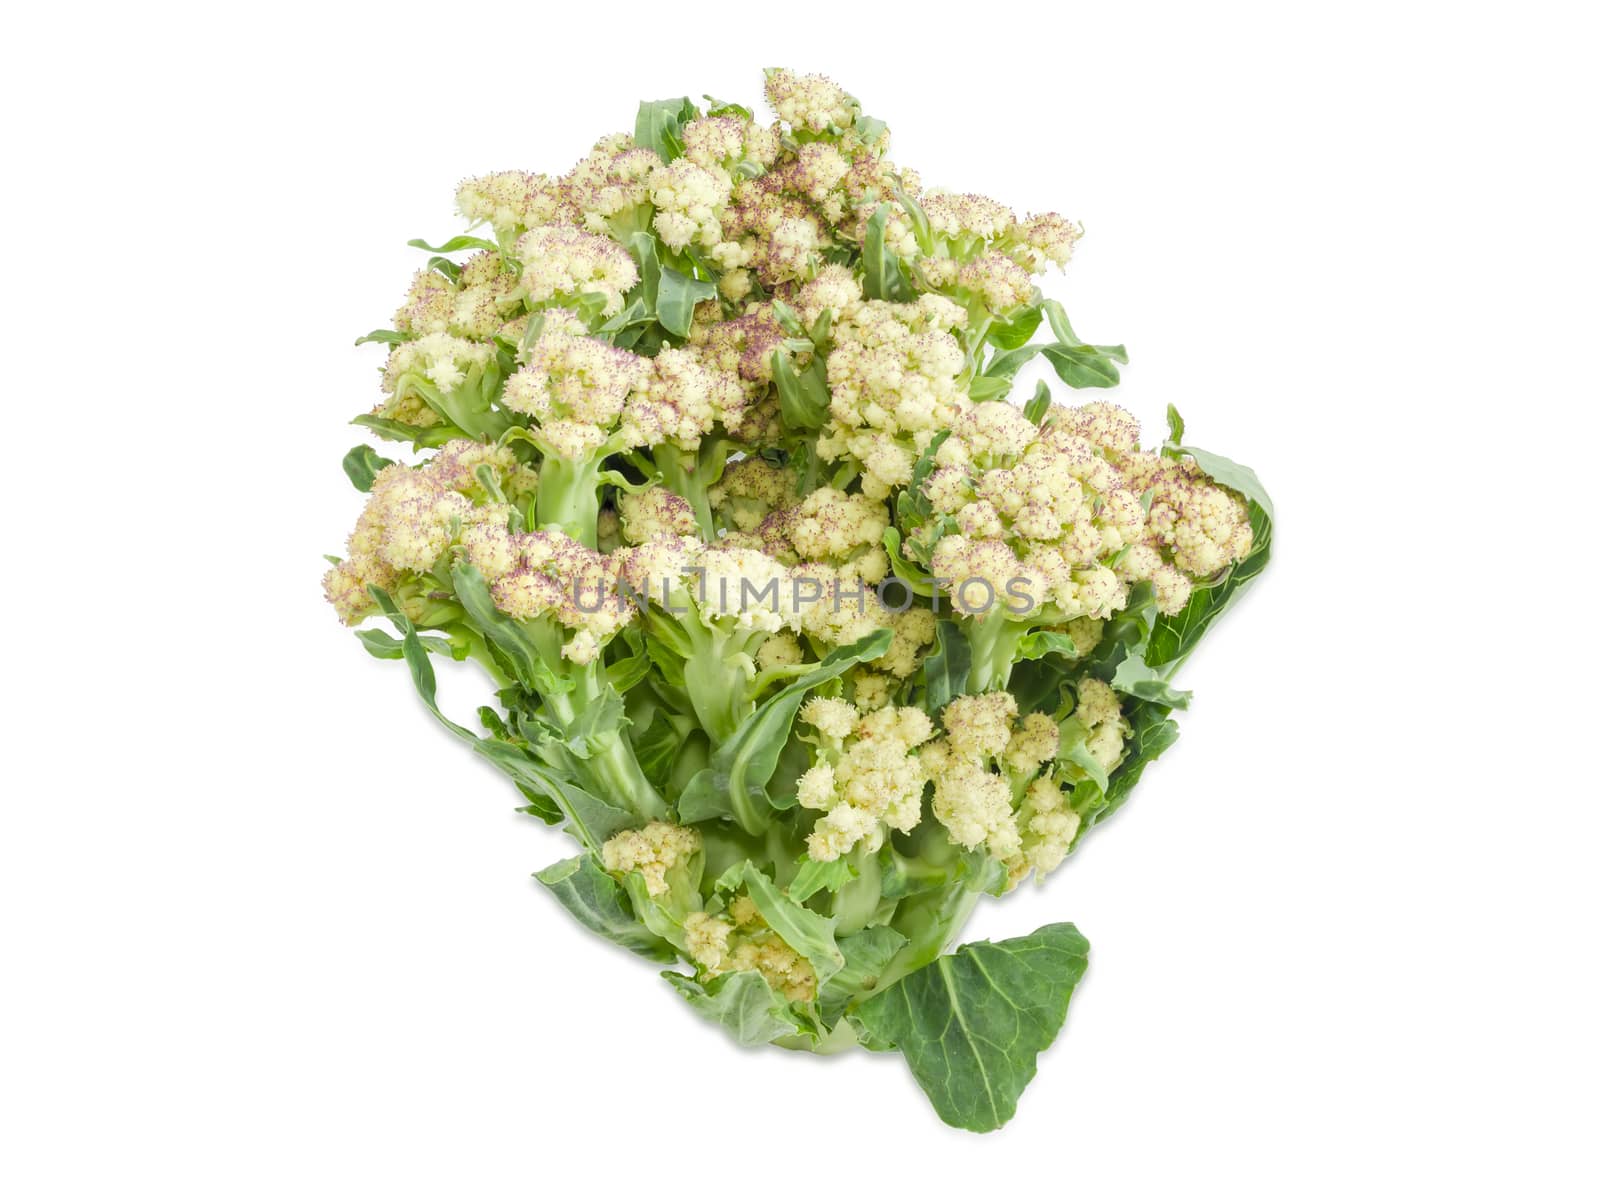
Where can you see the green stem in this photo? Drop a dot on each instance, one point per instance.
(686, 476)
(994, 638)
(857, 901)
(612, 770)
(569, 497)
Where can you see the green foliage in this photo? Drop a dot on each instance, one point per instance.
(593, 897)
(971, 1025)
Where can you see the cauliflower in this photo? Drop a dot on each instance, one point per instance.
(805, 631)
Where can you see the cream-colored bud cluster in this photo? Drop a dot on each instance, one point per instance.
(689, 200)
(989, 791)
(836, 611)
(684, 399)
(574, 386)
(655, 512)
(444, 361)
(547, 574)
(741, 585)
(726, 141)
(750, 490)
(412, 517)
(893, 377)
(1058, 513)
(561, 262)
(652, 851)
(510, 201)
(741, 940)
(865, 778)
(1046, 822)
(810, 102)
(611, 183)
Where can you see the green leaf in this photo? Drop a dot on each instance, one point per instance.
(659, 126)
(947, 667)
(1080, 365)
(455, 244)
(866, 953)
(420, 437)
(362, 464)
(1135, 678)
(919, 580)
(676, 297)
(1174, 425)
(743, 1003)
(1085, 366)
(657, 748)
(716, 108)
(1233, 475)
(529, 666)
(1038, 405)
(450, 270)
(817, 875)
(734, 786)
(885, 276)
(1036, 684)
(386, 647)
(802, 397)
(869, 129)
(808, 932)
(986, 388)
(602, 718)
(383, 336)
(592, 895)
(1035, 645)
(1017, 331)
(1153, 733)
(971, 1025)
(1072, 753)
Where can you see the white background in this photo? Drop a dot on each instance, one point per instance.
(261, 919)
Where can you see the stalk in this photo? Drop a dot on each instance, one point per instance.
(612, 769)
(994, 639)
(569, 497)
(857, 901)
(685, 475)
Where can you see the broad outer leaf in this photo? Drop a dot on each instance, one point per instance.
(1233, 475)
(743, 1003)
(592, 896)
(866, 953)
(971, 1025)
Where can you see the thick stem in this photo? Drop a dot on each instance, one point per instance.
(569, 497)
(994, 638)
(611, 770)
(857, 901)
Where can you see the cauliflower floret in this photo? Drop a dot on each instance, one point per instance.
(651, 851)
(809, 101)
(655, 512)
(868, 779)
